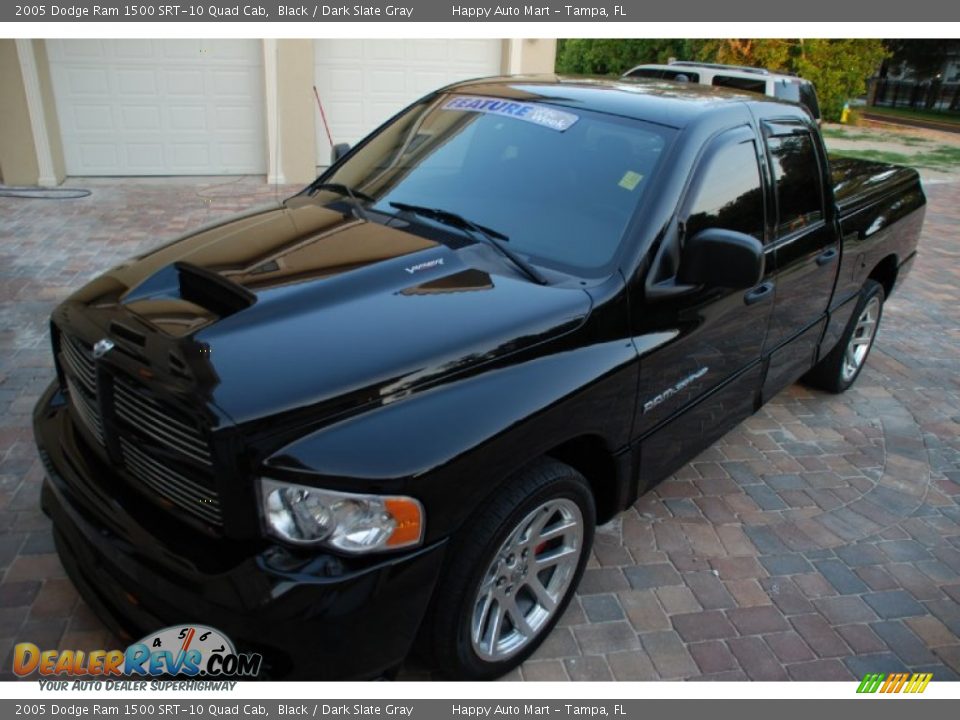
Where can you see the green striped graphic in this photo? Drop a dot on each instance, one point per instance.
(871, 682)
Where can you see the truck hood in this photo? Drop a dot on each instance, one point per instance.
(300, 307)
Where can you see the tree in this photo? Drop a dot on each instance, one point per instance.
(773, 54)
(839, 70)
(584, 56)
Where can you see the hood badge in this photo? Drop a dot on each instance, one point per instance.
(424, 265)
(102, 347)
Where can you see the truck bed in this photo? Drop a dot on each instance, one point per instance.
(859, 182)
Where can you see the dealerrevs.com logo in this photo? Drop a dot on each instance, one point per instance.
(186, 650)
(894, 683)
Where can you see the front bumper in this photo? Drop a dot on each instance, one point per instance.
(310, 617)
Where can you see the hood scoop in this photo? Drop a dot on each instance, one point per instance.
(196, 285)
(212, 291)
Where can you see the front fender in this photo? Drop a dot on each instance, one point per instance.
(451, 446)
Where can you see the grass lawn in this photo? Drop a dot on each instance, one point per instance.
(941, 158)
(850, 132)
(948, 118)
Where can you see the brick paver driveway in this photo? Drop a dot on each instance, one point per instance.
(818, 540)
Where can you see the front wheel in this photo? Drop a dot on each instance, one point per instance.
(840, 367)
(513, 572)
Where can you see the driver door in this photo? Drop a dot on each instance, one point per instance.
(700, 368)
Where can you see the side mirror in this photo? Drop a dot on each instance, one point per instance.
(338, 151)
(721, 258)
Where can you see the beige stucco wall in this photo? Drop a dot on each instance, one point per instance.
(19, 162)
(18, 157)
(297, 110)
(529, 55)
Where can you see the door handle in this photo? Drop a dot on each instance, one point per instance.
(759, 293)
(827, 257)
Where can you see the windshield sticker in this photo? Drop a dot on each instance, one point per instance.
(548, 117)
(630, 180)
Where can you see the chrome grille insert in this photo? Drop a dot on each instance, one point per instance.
(178, 489)
(86, 410)
(81, 376)
(79, 362)
(151, 418)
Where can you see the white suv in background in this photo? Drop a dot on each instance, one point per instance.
(758, 80)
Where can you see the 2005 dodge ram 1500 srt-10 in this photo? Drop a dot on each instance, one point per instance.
(389, 412)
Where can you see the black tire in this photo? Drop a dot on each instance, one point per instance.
(477, 556)
(833, 373)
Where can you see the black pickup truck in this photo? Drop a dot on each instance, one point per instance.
(388, 413)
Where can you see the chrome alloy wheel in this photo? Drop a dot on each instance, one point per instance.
(861, 339)
(527, 580)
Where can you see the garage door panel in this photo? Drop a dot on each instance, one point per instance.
(233, 153)
(231, 83)
(103, 156)
(88, 81)
(136, 82)
(132, 49)
(79, 49)
(189, 155)
(362, 83)
(387, 50)
(183, 83)
(140, 117)
(187, 118)
(386, 81)
(161, 107)
(144, 157)
(92, 117)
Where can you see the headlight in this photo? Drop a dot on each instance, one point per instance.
(352, 523)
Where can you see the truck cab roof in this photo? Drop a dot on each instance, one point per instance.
(667, 103)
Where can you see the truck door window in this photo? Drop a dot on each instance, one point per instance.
(727, 193)
(797, 176)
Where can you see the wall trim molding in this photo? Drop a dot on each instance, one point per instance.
(38, 119)
(275, 174)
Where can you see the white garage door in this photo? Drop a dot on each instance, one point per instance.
(363, 82)
(160, 107)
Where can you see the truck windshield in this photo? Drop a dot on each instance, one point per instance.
(560, 184)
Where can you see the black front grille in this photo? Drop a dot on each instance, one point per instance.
(80, 373)
(183, 492)
(151, 418)
(164, 452)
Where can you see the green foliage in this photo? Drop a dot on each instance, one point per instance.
(583, 56)
(773, 54)
(838, 68)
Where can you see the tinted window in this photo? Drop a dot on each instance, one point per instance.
(797, 176)
(749, 84)
(728, 193)
(681, 75)
(646, 73)
(662, 74)
(563, 197)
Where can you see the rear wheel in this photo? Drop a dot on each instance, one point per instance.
(838, 370)
(513, 573)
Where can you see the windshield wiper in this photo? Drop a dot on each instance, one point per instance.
(489, 236)
(347, 191)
